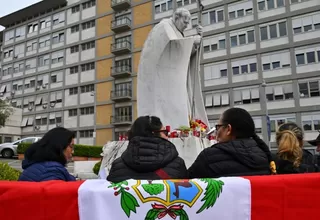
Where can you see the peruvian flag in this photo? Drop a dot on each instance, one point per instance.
(280, 197)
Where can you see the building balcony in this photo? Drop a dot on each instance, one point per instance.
(121, 120)
(121, 95)
(121, 24)
(121, 71)
(120, 48)
(120, 4)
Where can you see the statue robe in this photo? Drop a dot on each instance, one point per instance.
(167, 75)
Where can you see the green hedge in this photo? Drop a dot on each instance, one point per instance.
(96, 168)
(8, 173)
(79, 150)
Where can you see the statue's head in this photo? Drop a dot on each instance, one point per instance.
(181, 18)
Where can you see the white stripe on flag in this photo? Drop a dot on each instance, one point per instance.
(223, 198)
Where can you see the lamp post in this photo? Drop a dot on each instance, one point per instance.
(264, 85)
(93, 93)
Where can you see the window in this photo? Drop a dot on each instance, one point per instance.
(277, 121)
(73, 91)
(234, 41)
(264, 33)
(53, 79)
(247, 65)
(311, 122)
(282, 29)
(244, 11)
(279, 92)
(74, 49)
(87, 111)
(87, 67)
(44, 60)
(41, 120)
(217, 99)
(86, 134)
(246, 96)
(215, 71)
(8, 53)
(32, 28)
(273, 31)
(211, 17)
(73, 112)
(300, 59)
(242, 39)
(123, 114)
(57, 57)
(74, 29)
(58, 18)
(306, 23)
(209, 47)
(75, 9)
(311, 57)
(74, 69)
(123, 87)
(224, 73)
(163, 7)
(31, 63)
(235, 70)
(20, 31)
(89, 24)
(309, 89)
(269, 4)
(87, 88)
(8, 35)
(57, 38)
(88, 4)
(44, 41)
(88, 46)
(45, 23)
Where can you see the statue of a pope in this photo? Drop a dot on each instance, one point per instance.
(168, 75)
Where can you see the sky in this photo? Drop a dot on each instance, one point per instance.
(9, 6)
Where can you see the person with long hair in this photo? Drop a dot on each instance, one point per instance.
(46, 159)
(149, 155)
(239, 151)
(291, 157)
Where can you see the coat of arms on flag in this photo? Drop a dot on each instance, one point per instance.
(165, 199)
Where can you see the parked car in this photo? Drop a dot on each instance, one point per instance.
(8, 150)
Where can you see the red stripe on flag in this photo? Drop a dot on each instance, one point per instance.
(53, 200)
(282, 197)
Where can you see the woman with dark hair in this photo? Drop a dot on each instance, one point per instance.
(239, 151)
(149, 154)
(291, 157)
(46, 159)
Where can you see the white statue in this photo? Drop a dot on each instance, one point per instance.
(168, 75)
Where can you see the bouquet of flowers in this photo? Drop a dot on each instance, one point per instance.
(198, 125)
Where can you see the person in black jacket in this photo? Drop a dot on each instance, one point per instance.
(239, 151)
(291, 157)
(149, 155)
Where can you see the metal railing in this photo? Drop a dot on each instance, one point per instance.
(119, 2)
(120, 22)
(121, 119)
(121, 93)
(116, 70)
(121, 45)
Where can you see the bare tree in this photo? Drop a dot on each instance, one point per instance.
(5, 111)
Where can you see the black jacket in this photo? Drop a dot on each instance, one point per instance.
(308, 164)
(144, 156)
(241, 157)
